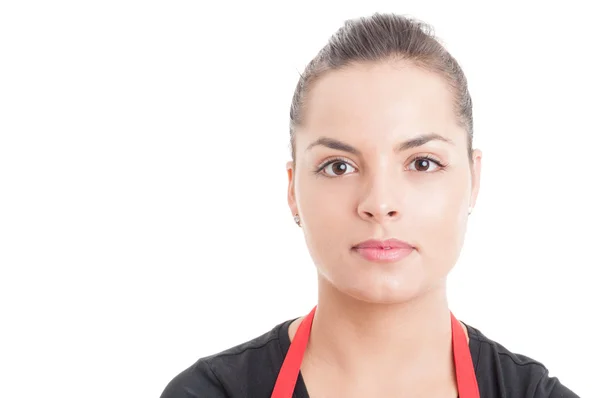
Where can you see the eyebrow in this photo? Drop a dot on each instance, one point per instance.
(409, 144)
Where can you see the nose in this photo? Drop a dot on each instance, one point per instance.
(380, 201)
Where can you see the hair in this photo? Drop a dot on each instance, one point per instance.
(381, 38)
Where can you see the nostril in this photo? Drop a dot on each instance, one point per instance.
(389, 214)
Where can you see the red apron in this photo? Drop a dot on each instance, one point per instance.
(288, 375)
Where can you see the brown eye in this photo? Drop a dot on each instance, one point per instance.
(337, 168)
(424, 165)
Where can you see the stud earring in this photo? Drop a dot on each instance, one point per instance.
(297, 220)
(470, 210)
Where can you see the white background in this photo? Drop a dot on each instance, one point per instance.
(143, 214)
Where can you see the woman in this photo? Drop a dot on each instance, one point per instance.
(382, 179)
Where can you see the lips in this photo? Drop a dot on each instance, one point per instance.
(383, 244)
(386, 251)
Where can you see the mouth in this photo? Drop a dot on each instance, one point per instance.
(386, 251)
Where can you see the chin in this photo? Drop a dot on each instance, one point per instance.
(379, 283)
(380, 288)
(383, 294)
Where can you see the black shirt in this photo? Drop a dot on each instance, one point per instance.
(249, 370)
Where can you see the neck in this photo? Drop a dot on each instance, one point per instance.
(411, 340)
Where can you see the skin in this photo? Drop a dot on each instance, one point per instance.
(381, 329)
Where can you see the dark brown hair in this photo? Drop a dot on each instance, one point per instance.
(380, 38)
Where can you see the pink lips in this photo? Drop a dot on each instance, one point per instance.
(387, 251)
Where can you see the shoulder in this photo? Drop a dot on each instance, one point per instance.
(234, 372)
(501, 372)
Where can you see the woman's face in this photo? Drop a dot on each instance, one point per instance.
(380, 155)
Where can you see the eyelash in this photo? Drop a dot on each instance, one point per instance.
(442, 166)
(322, 166)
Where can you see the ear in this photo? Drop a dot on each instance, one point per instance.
(291, 196)
(475, 177)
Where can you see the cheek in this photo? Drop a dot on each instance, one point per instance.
(326, 208)
(439, 220)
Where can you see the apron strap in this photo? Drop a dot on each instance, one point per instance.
(288, 374)
(466, 380)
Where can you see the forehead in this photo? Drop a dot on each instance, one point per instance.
(380, 99)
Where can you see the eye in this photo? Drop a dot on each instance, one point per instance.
(425, 164)
(336, 168)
